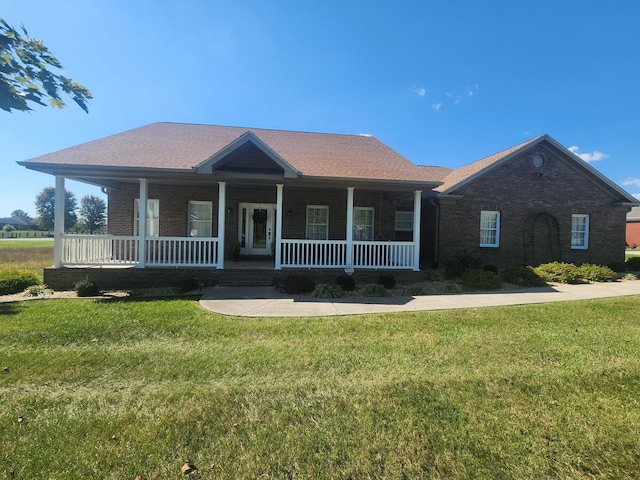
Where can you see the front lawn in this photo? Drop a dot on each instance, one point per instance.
(120, 388)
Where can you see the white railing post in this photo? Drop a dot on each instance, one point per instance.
(349, 252)
(417, 213)
(278, 259)
(222, 212)
(58, 221)
(142, 226)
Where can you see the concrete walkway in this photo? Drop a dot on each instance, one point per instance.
(267, 302)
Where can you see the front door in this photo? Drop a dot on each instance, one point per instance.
(256, 232)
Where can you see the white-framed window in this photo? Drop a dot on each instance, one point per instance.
(200, 216)
(363, 223)
(579, 231)
(404, 221)
(153, 217)
(317, 222)
(489, 228)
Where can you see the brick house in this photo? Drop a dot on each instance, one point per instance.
(633, 228)
(221, 198)
(530, 204)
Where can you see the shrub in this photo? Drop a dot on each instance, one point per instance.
(451, 288)
(8, 228)
(433, 275)
(523, 276)
(629, 277)
(481, 280)
(460, 263)
(36, 291)
(15, 280)
(415, 290)
(374, 290)
(346, 282)
(387, 280)
(618, 266)
(324, 290)
(633, 264)
(559, 272)
(490, 268)
(86, 288)
(597, 273)
(298, 284)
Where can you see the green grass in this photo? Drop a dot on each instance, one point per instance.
(115, 389)
(33, 255)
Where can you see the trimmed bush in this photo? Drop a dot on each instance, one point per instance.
(629, 277)
(387, 280)
(451, 288)
(298, 284)
(633, 264)
(522, 276)
(324, 290)
(461, 262)
(374, 290)
(559, 272)
(481, 280)
(15, 280)
(490, 268)
(86, 288)
(415, 290)
(597, 273)
(433, 275)
(346, 282)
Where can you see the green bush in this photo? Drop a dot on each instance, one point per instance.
(433, 275)
(451, 288)
(629, 277)
(461, 262)
(415, 290)
(36, 291)
(374, 290)
(633, 264)
(387, 280)
(298, 284)
(559, 272)
(522, 276)
(346, 282)
(481, 280)
(324, 290)
(86, 288)
(490, 268)
(597, 273)
(15, 280)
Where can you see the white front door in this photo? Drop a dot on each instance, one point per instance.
(256, 228)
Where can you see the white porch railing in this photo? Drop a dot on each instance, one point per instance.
(125, 250)
(333, 254)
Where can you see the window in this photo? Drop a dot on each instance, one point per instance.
(363, 224)
(579, 231)
(317, 222)
(404, 221)
(489, 229)
(200, 214)
(153, 217)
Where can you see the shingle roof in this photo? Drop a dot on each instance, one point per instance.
(176, 146)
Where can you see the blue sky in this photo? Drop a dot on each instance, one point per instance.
(441, 82)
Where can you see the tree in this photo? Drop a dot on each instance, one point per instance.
(45, 207)
(20, 213)
(93, 212)
(26, 76)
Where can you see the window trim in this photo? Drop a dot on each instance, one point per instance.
(585, 243)
(410, 221)
(136, 217)
(373, 221)
(326, 225)
(496, 230)
(209, 203)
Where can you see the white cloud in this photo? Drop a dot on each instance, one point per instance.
(637, 195)
(420, 91)
(632, 181)
(365, 135)
(588, 157)
(436, 106)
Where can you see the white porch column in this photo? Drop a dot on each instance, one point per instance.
(278, 251)
(222, 215)
(350, 227)
(58, 221)
(142, 225)
(417, 214)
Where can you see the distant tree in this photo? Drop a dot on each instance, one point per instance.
(93, 212)
(45, 207)
(20, 213)
(26, 76)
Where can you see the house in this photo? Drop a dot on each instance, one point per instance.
(222, 198)
(19, 223)
(633, 228)
(529, 204)
(291, 200)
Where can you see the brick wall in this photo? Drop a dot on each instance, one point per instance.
(519, 190)
(633, 234)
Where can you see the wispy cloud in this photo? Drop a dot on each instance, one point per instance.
(589, 157)
(420, 91)
(436, 106)
(637, 195)
(632, 181)
(365, 135)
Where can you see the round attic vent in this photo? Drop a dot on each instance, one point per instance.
(537, 161)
